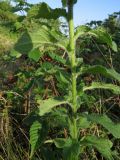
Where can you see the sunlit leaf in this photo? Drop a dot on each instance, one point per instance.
(42, 10)
(98, 85)
(45, 106)
(103, 36)
(81, 30)
(41, 36)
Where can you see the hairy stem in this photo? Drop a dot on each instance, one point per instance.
(73, 63)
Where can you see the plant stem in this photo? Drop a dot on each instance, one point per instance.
(73, 63)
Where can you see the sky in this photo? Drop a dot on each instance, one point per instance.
(87, 10)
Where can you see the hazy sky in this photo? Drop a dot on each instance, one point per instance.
(87, 10)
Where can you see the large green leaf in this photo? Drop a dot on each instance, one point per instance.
(31, 40)
(42, 10)
(101, 144)
(34, 136)
(38, 133)
(98, 69)
(98, 85)
(107, 123)
(81, 30)
(99, 33)
(103, 36)
(45, 106)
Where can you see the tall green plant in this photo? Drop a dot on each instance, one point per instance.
(65, 109)
(73, 64)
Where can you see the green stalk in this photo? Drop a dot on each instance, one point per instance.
(73, 64)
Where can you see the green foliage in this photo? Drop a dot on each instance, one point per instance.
(114, 46)
(63, 78)
(4, 5)
(99, 33)
(99, 85)
(97, 69)
(6, 15)
(103, 36)
(59, 117)
(34, 136)
(15, 54)
(45, 106)
(101, 144)
(65, 2)
(32, 40)
(62, 142)
(71, 148)
(83, 122)
(5, 43)
(72, 152)
(106, 122)
(37, 135)
(53, 86)
(57, 58)
(42, 10)
(81, 31)
(45, 69)
(35, 55)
